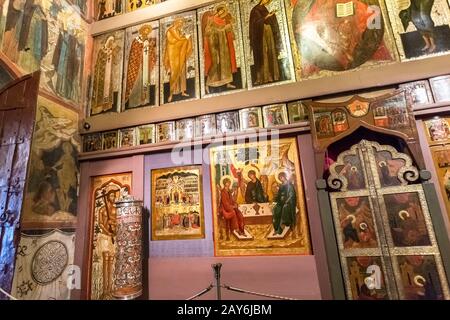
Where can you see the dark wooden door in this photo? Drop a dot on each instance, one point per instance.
(18, 102)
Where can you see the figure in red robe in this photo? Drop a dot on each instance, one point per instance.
(229, 210)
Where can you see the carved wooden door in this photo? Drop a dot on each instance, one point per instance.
(17, 116)
(386, 241)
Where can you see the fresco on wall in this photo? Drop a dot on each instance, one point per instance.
(221, 48)
(105, 190)
(140, 81)
(266, 42)
(51, 197)
(328, 36)
(258, 199)
(179, 58)
(50, 36)
(107, 57)
(43, 266)
(421, 27)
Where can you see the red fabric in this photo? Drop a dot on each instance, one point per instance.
(207, 50)
(382, 53)
(228, 210)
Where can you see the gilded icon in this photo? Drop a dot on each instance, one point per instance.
(104, 9)
(140, 81)
(177, 204)
(146, 134)
(92, 142)
(107, 71)
(250, 118)
(441, 88)
(105, 191)
(179, 78)
(266, 42)
(333, 35)
(133, 5)
(227, 122)
(205, 125)
(110, 140)
(421, 27)
(258, 202)
(221, 48)
(323, 124)
(165, 131)
(275, 115)
(419, 91)
(438, 129)
(127, 137)
(297, 112)
(185, 129)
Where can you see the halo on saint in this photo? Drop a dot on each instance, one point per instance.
(231, 178)
(363, 226)
(421, 279)
(145, 30)
(382, 163)
(402, 214)
(352, 217)
(277, 175)
(354, 169)
(250, 168)
(369, 282)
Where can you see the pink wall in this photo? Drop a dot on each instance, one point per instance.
(288, 276)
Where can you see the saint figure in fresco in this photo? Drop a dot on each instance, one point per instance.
(141, 62)
(284, 212)
(218, 48)
(178, 49)
(229, 210)
(254, 192)
(104, 98)
(26, 34)
(265, 43)
(419, 13)
(67, 61)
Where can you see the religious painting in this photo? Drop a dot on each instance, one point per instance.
(177, 203)
(396, 112)
(330, 36)
(355, 223)
(51, 195)
(351, 171)
(107, 71)
(340, 122)
(222, 66)
(105, 191)
(297, 112)
(275, 115)
(250, 118)
(227, 122)
(420, 278)
(438, 129)
(258, 200)
(43, 265)
(146, 134)
(364, 280)
(388, 168)
(104, 9)
(40, 35)
(179, 79)
(205, 125)
(266, 41)
(421, 27)
(407, 223)
(127, 137)
(324, 124)
(165, 131)
(133, 5)
(419, 91)
(92, 142)
(441, 157)
(110, 140)
(141, 79)
(441, 88)
(185, 129)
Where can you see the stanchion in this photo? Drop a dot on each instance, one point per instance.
(216, 268)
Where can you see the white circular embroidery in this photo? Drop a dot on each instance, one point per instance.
(49, 262)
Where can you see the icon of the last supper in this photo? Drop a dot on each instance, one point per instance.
(258, 199)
